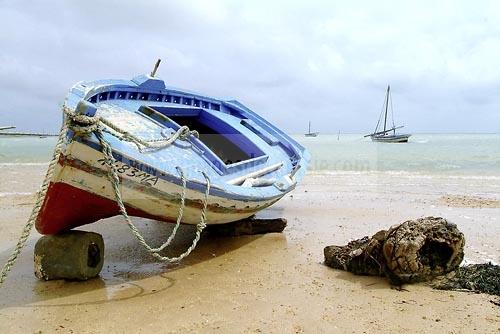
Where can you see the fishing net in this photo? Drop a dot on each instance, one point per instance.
(480, 278)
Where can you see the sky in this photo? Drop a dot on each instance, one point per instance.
(290, 61)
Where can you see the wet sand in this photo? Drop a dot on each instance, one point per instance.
(259, 284)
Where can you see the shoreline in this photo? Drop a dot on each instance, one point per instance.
(339, 172)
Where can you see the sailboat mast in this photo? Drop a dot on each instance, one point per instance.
(309, 127)
(386, 106)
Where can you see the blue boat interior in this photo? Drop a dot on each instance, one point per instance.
(225, 141)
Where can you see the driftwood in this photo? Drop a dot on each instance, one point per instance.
(414, 251)
(249, 226)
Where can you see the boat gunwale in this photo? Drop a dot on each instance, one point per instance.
(92, 88)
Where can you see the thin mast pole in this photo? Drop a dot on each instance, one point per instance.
(386, 105)
(153, 73)
(309, 126)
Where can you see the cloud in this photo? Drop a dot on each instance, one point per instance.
(319, 60)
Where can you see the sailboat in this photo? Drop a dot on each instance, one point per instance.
(311, 134)
(387, 135)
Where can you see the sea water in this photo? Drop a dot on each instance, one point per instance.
(456, 154)
(26, 150)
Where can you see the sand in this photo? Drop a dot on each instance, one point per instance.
(274, 283)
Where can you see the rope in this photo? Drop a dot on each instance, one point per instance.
(392, 115)
(87, 124)
(38, 204)
(115, 182)
(380, 117)
(179, 216)
(83, 125)
(156, 144)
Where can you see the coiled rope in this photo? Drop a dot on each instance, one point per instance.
(84, 125)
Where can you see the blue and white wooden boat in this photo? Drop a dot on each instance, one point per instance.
(251, 163)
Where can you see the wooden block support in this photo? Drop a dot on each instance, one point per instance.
(73, 255)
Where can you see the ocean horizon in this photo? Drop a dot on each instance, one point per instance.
(429, 154)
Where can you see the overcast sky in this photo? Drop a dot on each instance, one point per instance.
(290, 61)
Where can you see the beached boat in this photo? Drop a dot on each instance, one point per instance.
(387, 135)
(167, 144)
(309, 133)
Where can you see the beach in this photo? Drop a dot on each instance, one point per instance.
(370, 129)
(273, 283)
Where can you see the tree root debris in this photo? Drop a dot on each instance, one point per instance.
(413, 251)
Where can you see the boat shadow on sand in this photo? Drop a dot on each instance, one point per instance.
(129, 271)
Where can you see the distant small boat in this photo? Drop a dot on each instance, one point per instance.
(21, 134)
(387, 135)
(311, 134)
(25, 134)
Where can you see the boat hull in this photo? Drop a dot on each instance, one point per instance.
(80, 193)
(312, 134)
(391, 139)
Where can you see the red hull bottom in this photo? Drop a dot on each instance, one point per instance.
(66, 207)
